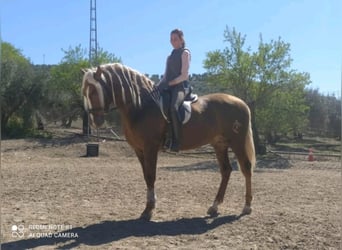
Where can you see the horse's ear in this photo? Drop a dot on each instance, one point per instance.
(83, 71)
(98, 72)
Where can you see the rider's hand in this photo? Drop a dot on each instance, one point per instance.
(162, 86)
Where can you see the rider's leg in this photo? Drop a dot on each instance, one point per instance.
(177, 98)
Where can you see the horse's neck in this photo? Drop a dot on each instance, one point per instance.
(133, 117)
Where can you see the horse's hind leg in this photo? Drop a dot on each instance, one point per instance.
(246, 169)
(226, 169)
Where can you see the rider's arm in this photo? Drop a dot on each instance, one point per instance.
(184, 76)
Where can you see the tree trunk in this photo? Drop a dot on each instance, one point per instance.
(4, 121)
(68, 123)
(259, 148)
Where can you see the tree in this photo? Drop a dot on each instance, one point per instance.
(334, 115)
(258, 78)
(106, 57)
(65, 85)
(318, 111)
(19, 91)
(155, 78)
(285, 111)
(324, 115)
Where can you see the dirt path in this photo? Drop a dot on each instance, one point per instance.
(49, 191)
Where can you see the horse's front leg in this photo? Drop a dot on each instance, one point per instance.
(148, 160)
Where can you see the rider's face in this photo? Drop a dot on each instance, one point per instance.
(176, 41)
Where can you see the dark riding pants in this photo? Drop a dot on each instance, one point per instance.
(177, 98)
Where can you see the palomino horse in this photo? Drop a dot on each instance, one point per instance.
(218, 119)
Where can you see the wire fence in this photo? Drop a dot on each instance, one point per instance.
(305, 156)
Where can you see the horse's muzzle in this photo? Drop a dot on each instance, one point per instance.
(96, 121)
(99, 120)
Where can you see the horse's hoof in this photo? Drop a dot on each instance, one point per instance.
(212, 211)
(246, 210)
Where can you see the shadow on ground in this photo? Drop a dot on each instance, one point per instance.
(270, 161)
(65, 140)
(273, 161)
(198, 166)
(37, 143)
(110, 231)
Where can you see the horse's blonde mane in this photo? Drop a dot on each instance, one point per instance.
(129, 80)
(126, 83)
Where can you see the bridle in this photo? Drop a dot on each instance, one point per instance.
(105, 90)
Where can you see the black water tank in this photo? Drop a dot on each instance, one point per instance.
(92, 149)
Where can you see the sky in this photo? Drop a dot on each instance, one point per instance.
(138, 31)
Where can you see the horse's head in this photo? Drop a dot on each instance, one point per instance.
(95, 96)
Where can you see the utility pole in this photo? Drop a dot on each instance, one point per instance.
(92, 56)
(93, 34)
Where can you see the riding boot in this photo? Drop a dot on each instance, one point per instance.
(176, 132)
(168, 137)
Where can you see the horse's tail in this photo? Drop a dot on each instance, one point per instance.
(249, 144)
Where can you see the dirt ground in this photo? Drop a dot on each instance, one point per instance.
(53, 198)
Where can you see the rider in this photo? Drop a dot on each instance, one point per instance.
(175, 77)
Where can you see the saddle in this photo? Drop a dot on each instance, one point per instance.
(184, 111)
